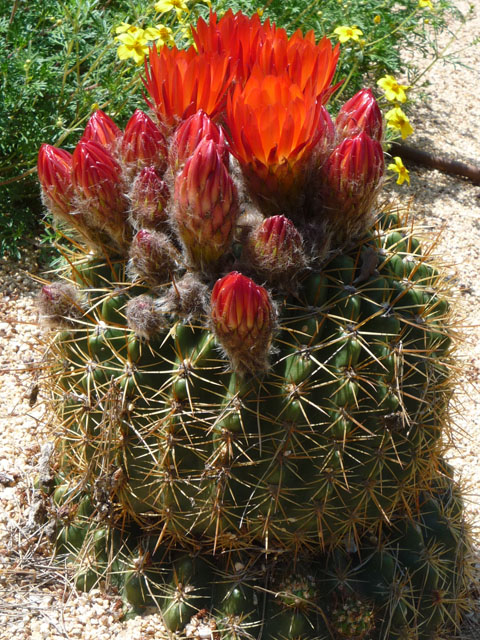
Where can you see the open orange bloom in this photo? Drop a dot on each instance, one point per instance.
(180, 82)
(236, 35)
(274, 127)
(249, 42)
(306, 63)
(271, 121)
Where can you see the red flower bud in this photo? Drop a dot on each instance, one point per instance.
(275, 251)
(98, 183)
(206, 206)
(351, 177)
(360, 114)
(143, 143)
(188, 136)
(149, 197)
(243, 321)
(97, 180)
(102, 129)
(356, 165)
(54, 168)
(152, 257)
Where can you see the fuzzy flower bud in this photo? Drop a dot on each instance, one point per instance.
(54, 168)
(152, 257)
(60, 304)
(188, 136)
(243, 320)
(351, 178)
(102, 129)
(143, 317)
(206, 207)
(149, 196)
(274, 249)
(98, 183)
(360, 113)
(143, 143)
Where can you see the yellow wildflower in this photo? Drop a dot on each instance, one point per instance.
(396, 119)
(425, 3)
(348, 33)
(377, 19)
(398, 166)
(394, 92)
(159, 32)
(163, 6)
(134, 45)
(186, 33)
(124, 27)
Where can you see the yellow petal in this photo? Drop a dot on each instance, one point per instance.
(124, 52)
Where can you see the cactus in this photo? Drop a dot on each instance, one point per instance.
(252, 369)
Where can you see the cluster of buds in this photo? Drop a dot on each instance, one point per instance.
(87, 189)
(353, 620)
(164, 191)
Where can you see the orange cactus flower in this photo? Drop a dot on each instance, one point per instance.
(180, 82)
(249, 42)
(274, 127)
(236, 35)
(306, 63)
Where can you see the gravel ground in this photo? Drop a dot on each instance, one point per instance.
(36, 602)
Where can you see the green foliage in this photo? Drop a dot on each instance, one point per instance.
(58, 62)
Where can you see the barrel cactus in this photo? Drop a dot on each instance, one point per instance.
(250, 357)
